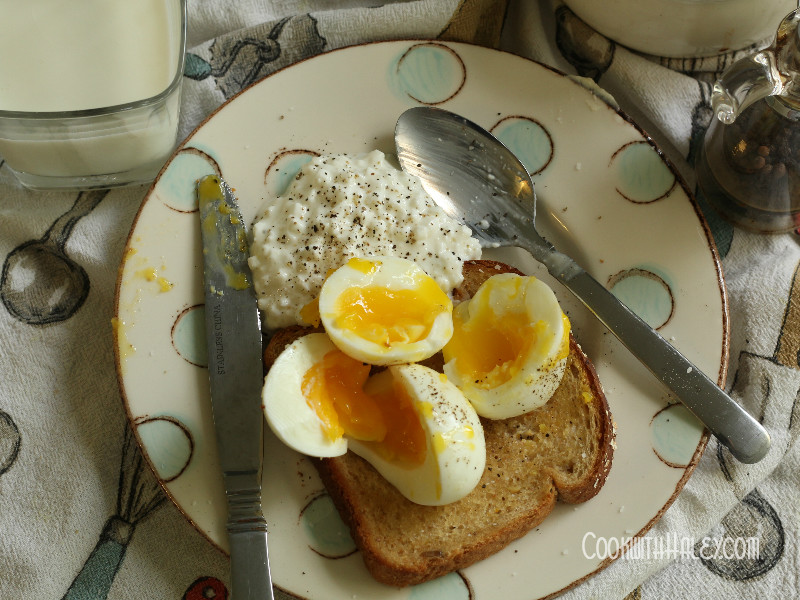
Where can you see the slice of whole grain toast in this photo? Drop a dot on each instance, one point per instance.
(560, 451)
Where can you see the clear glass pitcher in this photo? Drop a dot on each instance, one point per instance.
(749, 164)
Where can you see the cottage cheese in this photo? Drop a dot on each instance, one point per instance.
(343, 206)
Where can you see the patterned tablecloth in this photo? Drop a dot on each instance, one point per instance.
(82, 515)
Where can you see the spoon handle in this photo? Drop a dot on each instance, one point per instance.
(745, 437)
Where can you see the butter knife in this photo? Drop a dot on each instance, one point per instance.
(235, 374)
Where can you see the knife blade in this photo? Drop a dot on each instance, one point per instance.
(233, 335)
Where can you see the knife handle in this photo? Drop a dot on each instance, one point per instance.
(247, 536)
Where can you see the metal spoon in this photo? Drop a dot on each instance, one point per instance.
(478, 181)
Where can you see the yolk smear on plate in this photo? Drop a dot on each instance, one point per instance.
(151, 274)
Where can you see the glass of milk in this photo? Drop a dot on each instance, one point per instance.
(89, 90)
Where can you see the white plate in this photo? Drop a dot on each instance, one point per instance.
(606, 196)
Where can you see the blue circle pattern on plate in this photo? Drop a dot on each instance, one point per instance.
(642, 176)
(284, 168)
(429, 73)
(452, 586)
(528, 139)
(645, 293)
(189, 337)
(327, 534)
(169, 445)
(176, 186)
(675, 433)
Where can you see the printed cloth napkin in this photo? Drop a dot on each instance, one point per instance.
(82, 516)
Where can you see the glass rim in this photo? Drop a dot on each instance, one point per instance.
(116, 108)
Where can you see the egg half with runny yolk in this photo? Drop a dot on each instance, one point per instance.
(385, 310)
(415, 427)
(509, 349)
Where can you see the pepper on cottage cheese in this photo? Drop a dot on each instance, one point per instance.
(340, 207)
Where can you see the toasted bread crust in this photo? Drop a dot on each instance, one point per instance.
(562, 450)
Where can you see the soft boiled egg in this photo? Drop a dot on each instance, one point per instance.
(415, 427)
(509, 349)
(299, 398)
(438, 453)
(385, 310)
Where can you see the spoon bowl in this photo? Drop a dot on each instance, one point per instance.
(480, 182)
(469, 174)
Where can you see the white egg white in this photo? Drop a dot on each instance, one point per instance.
(540, 371)
(392, 273)
(288, 413)
(455, 448)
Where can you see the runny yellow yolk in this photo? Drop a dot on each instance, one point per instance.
(334, 389)
(362, 265)
(387, 316)
(405, 441)
(310, 313)
(492, 348)
(377, 410)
